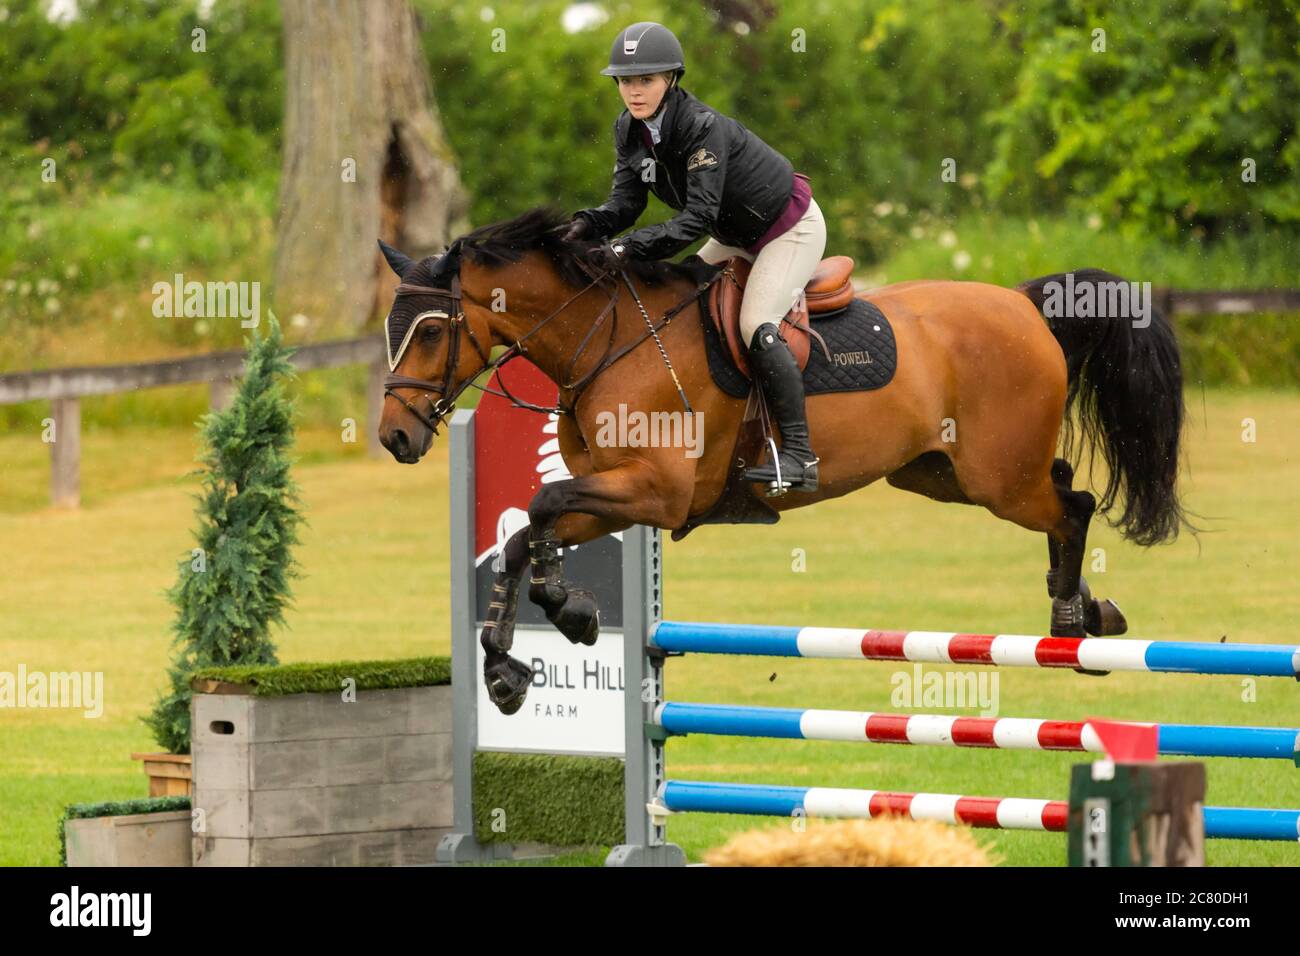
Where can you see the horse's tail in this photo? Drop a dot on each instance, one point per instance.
(1126, 381)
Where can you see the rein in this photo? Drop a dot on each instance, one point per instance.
(445, 404)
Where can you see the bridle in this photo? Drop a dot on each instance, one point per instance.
(445, 404)
(441, 407)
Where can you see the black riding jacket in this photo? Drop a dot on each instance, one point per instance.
(723, 180)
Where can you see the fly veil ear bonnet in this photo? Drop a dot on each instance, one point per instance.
(400, 326)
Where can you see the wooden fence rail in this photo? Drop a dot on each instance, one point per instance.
(1181, 302)
(65, 387)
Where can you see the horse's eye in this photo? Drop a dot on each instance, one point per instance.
(430, 331)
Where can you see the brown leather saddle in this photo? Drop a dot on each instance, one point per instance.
(829, 290)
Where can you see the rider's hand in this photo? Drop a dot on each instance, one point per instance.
(578, 228)
(608, 256)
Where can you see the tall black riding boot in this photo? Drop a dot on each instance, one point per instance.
(776, 373)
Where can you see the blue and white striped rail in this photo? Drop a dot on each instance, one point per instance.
(1008, 650)
(1007, 733)
(1003, 813)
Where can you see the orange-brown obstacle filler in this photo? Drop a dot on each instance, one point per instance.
(886, 841)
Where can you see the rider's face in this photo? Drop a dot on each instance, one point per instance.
(642, 94)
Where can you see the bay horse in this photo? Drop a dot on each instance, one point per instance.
(984, 384)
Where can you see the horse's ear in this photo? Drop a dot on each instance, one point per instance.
(397, 261)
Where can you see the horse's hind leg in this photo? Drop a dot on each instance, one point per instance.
(932, 474)
(1048, 504)
(1071, 598)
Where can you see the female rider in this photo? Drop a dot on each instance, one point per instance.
(728, 184)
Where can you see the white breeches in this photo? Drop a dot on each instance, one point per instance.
(781, 270)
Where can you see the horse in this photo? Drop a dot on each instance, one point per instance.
(984, 385)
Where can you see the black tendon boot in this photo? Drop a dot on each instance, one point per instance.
(776, 373)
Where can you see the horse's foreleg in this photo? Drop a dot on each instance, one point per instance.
(580, 509)
(507, 679)
(563, 514)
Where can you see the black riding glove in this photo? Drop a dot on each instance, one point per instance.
(578, 228)
(607, 257)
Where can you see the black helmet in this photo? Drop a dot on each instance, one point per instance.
(645, 47)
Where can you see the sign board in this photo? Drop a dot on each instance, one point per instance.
(575, 704)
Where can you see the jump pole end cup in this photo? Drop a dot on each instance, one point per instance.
(658, 813)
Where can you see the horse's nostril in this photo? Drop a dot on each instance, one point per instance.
(400, 442)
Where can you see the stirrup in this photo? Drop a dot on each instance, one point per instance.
(775, 489)
(780, 486)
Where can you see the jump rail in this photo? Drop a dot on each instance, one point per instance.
(1005, 650)
(652, 797)
(1004, 733)
(1002, 813)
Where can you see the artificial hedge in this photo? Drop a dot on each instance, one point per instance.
(277, 680)
(558, 800)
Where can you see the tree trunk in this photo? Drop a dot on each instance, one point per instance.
(365, 157)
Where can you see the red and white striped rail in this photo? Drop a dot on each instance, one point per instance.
(1006, 733)
(1005, 650)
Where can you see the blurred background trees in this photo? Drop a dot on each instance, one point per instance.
(365, 156)
(1060, 153)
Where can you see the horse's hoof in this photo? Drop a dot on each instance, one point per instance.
(507, 683)
(1084, 670)
(578, 618)
(1105, 619)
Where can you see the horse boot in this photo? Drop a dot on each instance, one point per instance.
(778, 375)
(506, 678)
(573, 610)
(1101, 618)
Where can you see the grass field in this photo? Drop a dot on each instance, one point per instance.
(83, 591)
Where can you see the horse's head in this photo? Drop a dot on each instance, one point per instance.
(434, 353)
(438, 342)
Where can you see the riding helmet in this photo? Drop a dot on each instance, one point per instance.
(645, 47)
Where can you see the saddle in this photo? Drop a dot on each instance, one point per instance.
(829, 290)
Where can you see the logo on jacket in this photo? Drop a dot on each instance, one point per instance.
(700, 159)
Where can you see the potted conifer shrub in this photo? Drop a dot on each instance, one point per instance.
(233, 585)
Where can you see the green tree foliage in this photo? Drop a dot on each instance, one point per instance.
(86, 91)
(868, 97)
(229, 594)
(1153, 131)
(163, 157)
(181, 126)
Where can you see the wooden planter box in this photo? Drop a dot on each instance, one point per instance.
(141, 839)
(310, 780)
(169, 774)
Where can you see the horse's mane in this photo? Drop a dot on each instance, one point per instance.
(508, 241)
